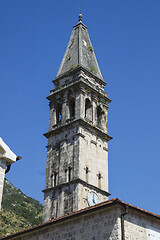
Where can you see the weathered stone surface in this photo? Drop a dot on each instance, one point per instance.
(77, 152)
(79, 52)
(99, 223)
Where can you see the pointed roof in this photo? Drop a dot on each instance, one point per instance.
(80, 52)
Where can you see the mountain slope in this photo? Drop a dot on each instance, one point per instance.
(18, 211)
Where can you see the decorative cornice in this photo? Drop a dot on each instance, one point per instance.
(77, 68)
(74, 123)
(76, 181)
(79, 81)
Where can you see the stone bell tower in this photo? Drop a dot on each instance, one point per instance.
(77, 151)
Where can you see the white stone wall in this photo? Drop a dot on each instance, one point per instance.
(84, 196)
(140, 227)
(2, 175)
(94, 155)
(99, 225)
(153, 233)
(60, 201)
(76, 148)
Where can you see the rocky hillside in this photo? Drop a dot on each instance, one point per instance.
(18, 211)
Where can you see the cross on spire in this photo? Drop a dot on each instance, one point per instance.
(80, 17)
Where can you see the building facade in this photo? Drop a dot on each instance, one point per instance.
(77, 151)
(7, 157)
(110, 220)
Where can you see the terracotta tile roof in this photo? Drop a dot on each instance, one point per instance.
(96, 207)
(137, 208)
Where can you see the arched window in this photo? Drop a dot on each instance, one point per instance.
(72, 108)
(99, 116)
(55, 179)
(88, 110)
(68, 174)
(59, 113)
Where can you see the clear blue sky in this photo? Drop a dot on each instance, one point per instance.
(126, 39)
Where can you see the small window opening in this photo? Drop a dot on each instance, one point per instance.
(72, 108)
(59, 113)
(52, 180)
(55, 179)
(87, 171)
(69, 174)
(99, 180)
(66, 204)
(88, 110)
(99, 116)
(66, 175)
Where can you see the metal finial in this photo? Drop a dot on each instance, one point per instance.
(80, 17)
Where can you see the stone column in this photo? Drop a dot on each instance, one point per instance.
(79, 106)
(2, 175)
(65, 112)
(94, 113)
(52, 118)
(104, 121)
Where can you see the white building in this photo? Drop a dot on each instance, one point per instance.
(7, 157)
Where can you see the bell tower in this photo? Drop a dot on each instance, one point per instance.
(77, 151)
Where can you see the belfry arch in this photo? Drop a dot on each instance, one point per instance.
(88, 110)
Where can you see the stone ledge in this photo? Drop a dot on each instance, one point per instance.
(80, 67)
(80, 122)
(76, 181)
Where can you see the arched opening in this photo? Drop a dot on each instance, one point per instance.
(88, 110)
(59, 113)
(68, 174)
(72, 108)
(99, 116)
(55, 179)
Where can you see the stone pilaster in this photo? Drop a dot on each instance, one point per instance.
(80, 106)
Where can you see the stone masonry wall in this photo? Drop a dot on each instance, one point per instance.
(140, 227)
(77, 143)
(84, 195)
(99, 225)
(93, 154)
(74, 150)
(106, 224)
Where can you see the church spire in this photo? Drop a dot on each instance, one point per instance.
(80, 52)
(77, 150)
